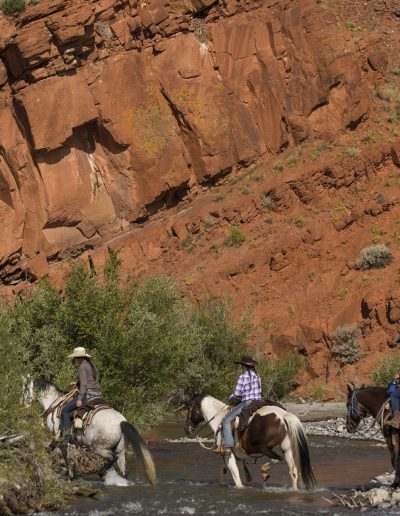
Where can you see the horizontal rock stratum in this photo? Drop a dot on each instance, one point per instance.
(111, 110)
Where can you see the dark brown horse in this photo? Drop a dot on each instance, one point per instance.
(270, 426)
(369, 401)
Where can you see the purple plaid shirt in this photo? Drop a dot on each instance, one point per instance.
(248, 386)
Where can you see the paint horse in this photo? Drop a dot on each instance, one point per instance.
(370, 401)
(108, 434)
(268, 427)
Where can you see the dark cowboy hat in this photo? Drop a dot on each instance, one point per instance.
(246, 360)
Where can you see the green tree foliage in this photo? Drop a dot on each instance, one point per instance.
(151, 345)
(385, 371)
(12, 6)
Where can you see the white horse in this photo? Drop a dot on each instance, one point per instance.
(107, 435)
(270, 426)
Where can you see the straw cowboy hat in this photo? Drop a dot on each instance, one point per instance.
(246, 360)
(79, 353)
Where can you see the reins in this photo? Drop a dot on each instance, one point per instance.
(196, 432)
(62, 399)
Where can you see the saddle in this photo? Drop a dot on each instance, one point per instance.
(248, 411)
(82, 417)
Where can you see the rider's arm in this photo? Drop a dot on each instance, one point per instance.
(239, 387)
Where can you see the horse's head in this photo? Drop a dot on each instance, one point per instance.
(39, 389)
(356, 411)
(194, 415)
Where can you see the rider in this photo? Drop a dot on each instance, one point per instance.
(248, 389)
(88, 386)
(393, 391)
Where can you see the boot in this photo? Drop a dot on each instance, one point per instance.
(221, 450)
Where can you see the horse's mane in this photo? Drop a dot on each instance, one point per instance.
(373, 388)
(274, 403)
(42, 385)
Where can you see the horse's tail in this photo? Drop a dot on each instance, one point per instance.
(141, 450)
(301, 453)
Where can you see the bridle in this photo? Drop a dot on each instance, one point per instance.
(352, 409)
(189, 419)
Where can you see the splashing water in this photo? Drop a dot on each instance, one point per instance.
(113, 479)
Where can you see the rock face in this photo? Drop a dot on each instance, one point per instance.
(112, 110)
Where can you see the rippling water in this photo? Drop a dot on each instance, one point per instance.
(188, 481)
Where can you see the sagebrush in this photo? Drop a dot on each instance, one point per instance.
(374, 257)
(345, 344)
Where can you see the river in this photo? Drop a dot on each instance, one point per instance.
(188, 481)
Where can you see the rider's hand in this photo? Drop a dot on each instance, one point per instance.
(79, 403)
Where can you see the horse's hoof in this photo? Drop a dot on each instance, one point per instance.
(240, 487)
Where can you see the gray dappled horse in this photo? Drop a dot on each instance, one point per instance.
(268, 427)
(108, 434)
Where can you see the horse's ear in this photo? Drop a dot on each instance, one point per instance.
(349, 388)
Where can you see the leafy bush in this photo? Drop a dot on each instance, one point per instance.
(235, 237)
(279, 376)
(151, 345)
(12, 6)
(299, 221)
(345, 344)
(374, 257)
(385, 371)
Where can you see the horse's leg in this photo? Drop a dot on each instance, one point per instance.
(121, 462)
(233, 468)
(287, 451)
(222, 474)
(247, 473)
(396, 459)
(265, 472)
(389, 443)
(68, 464)
(112, 458)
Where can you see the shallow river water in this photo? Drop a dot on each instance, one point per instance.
(188, 481)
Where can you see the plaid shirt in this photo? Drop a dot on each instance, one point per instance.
(248, 386)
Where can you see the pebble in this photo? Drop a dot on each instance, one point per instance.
(337, 428)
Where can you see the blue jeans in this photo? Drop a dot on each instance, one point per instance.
(395, 400)
(227, 434)
(66, 413)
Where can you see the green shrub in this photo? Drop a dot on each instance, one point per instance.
(235, 237)
(279, 376)
(151, 345)
(299, 221)
(12, 6)
(374, 257)
(385, 371)
(345, 345)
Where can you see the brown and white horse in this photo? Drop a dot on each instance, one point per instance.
(270, 426)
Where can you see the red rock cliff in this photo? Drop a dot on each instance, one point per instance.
(111, 110)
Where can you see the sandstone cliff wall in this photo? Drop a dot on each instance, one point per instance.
(110, 111)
